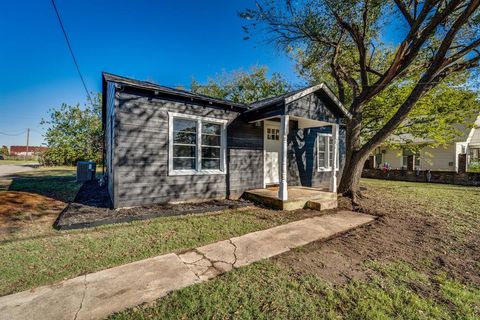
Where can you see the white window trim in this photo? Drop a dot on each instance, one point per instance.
(327, 151)
(199, 119)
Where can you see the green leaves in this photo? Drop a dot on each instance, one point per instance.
(4, 151)
(441, 116)
(74, 133)
(243, 86)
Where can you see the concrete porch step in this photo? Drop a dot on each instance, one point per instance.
(298, 197)
(320, 205)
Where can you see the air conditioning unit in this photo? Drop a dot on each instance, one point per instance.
(86, 171)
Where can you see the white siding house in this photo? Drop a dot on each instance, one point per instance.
(441, 158)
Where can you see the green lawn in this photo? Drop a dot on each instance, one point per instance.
(420, 261)
(55, 182)
(56, 255)
(266, 291)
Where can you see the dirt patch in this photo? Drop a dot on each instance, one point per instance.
(92, 207)
(21, 210)
(418, 240)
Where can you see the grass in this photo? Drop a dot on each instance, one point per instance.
(55, 182)
(396, 289)
(31, 201)
(4, 162)
(28, 263)
(266, 291)
(457, 208)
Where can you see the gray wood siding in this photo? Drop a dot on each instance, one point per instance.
(302, 157)
(141, 167)
(311, 107)
(139, 149)
(245, 157)
(109, 146)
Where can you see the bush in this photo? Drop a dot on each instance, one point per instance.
(474, 166)
(74, 134)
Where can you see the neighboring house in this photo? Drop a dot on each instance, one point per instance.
(473, 143)
(26, 151)
(441, 158)
(168, 145)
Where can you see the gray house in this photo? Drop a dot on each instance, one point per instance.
(167, 145)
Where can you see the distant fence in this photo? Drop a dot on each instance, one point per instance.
(467, 179)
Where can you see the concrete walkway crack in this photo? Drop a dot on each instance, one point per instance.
(83, 297)
(234, 252)
(212, 261)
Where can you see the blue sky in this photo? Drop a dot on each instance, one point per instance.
(168, 42)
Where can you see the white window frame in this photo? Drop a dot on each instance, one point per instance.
(327, 152)
(199, 120)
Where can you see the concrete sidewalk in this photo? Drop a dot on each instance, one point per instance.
(96, 295)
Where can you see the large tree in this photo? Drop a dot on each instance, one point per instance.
(243, 86)
(436, 40)
(74, 133)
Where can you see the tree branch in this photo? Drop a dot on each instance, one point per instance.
(404, 10)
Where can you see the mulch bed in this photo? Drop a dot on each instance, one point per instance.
(92, 207)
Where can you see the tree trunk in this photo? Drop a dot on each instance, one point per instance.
(352, 172)
(349, 183)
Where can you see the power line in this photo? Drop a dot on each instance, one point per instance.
(11, 134)
(70, 49)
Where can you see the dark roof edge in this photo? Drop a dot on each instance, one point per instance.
(167, 90)
(295, 95)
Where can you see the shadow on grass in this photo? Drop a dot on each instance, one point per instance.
(55, 185)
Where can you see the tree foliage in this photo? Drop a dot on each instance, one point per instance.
(438, 39)
(243, 86)
(74, 133)
(4, 151)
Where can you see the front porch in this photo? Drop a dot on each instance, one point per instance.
(298, 198)
(301, 149)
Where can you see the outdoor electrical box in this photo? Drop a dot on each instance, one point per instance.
(86, 171)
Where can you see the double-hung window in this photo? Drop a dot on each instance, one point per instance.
(325, 152)
(196, 145)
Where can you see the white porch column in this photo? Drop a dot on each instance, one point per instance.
(333, 181)
(282, 190)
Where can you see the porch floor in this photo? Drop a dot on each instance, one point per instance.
(298, 197)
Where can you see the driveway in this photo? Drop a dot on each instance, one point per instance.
(9, 169)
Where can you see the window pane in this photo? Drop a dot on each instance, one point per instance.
(211, 128)
(321, 160)
(210, 152)
(184, 125)
(184, 137)
(208, 140)
(324, 142)
(322, 147)
(184, 151)
(184, 163)
(330, 152)
(211, 164)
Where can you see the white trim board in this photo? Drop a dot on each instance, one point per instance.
(223, 145)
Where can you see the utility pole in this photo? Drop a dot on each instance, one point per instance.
(28, 138)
